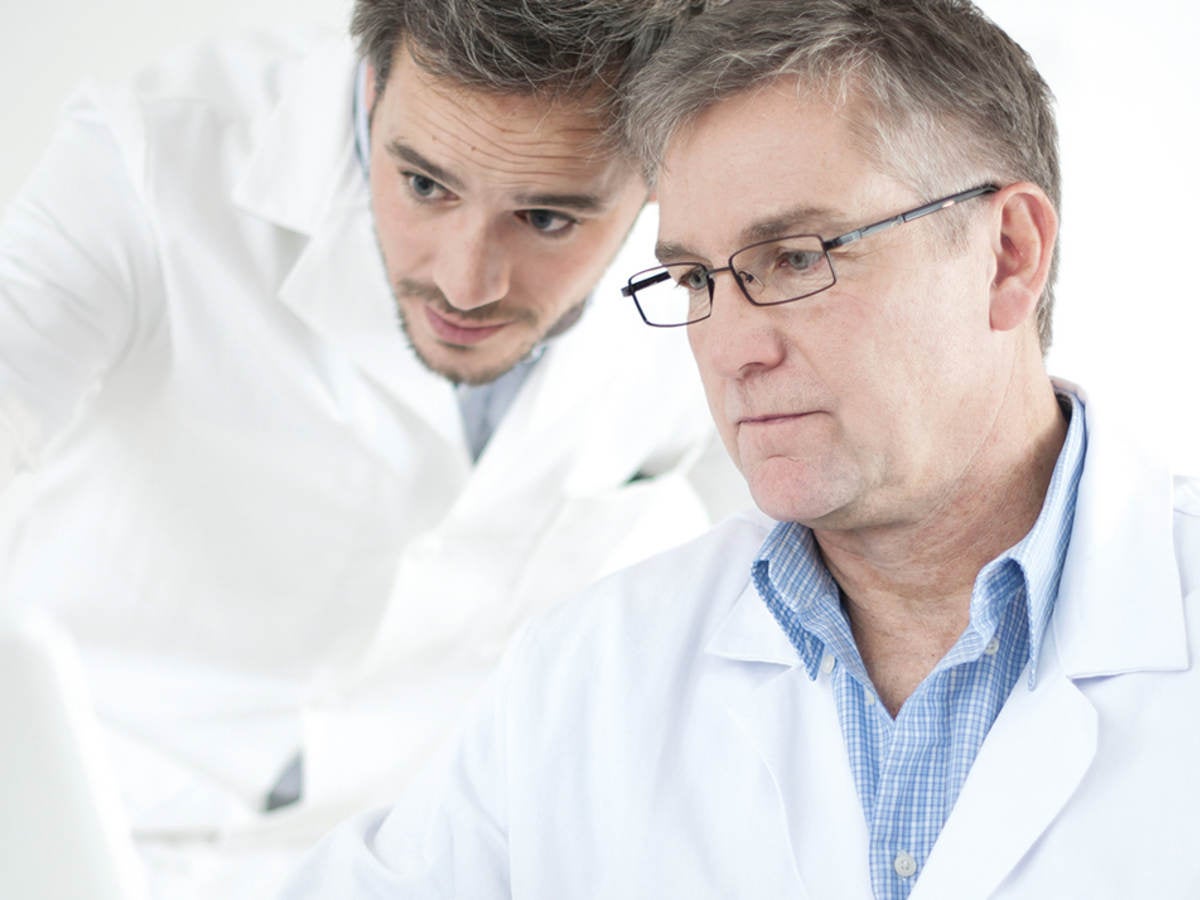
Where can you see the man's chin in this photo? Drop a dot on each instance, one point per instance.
(468, 365)
(791, 491)
(476, 364)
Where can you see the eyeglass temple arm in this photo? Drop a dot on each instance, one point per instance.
(851, 236)
(884, 224)
(633, 286)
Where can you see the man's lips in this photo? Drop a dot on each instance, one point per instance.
(460, 334)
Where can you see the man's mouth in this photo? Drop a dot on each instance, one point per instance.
(461, 333)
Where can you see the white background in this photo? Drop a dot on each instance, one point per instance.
(1127, 76)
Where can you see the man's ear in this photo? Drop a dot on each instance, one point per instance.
(1025, 227)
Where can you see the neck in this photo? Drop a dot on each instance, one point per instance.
(907, 586)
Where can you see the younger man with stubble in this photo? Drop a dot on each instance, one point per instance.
(306, 408)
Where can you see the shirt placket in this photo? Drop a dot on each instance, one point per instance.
(908, 794)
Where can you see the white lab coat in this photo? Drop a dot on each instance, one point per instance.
(241, 492)
(659, 738)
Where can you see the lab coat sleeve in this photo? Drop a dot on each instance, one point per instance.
(75, 263)
(446, 839)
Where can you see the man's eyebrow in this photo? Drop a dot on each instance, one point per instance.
(584, 203)
(808, 219)
(669, 251)
(405, 153)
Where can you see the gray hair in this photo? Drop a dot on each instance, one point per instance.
(584, 50)
(950, 100)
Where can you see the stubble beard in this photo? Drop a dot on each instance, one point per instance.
(420, 295)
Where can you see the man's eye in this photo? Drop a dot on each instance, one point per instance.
(547, 221)
(423, 187)
(695, 279)
(799, 260)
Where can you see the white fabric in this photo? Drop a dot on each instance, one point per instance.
(659, 737)
(248, 502)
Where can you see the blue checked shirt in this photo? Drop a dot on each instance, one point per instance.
(909, 771)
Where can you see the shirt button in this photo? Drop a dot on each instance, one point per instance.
(993, 647)
(904, 864)
(827, 663)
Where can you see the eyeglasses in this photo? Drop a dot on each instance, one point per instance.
(768, 273)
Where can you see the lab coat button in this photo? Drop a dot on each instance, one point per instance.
(827, 663)
(904, 864)
(993, 647)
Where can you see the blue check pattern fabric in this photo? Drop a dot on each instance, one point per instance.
(909, 771)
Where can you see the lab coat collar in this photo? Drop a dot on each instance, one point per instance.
(304, 175)
(1120, 600)
(791, 722)
(749, 633)
(304, 144)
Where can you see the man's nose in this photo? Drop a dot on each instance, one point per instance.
(738, 338)
(473, 267)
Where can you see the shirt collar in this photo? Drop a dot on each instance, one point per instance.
(792, 580)
(802, 596)
(1041, 553)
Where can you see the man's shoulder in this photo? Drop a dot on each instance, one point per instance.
(233, 82)
(238, 71)
(272, 109)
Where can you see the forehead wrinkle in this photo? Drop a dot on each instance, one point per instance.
(477, 119)
(536, 156)
(529, 157)
(486, 132)
(537, 178)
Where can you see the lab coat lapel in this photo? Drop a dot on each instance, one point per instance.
(791, 721)
(304, 176)
(1033, 759)
(1119, 610)
(338, 289)
(540, 432)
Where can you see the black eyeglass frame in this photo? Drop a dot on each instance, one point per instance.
(659, 274)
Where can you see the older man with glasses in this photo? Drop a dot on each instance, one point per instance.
(955, 660)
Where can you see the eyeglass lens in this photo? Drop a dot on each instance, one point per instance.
(770, 272)
(785, 269)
